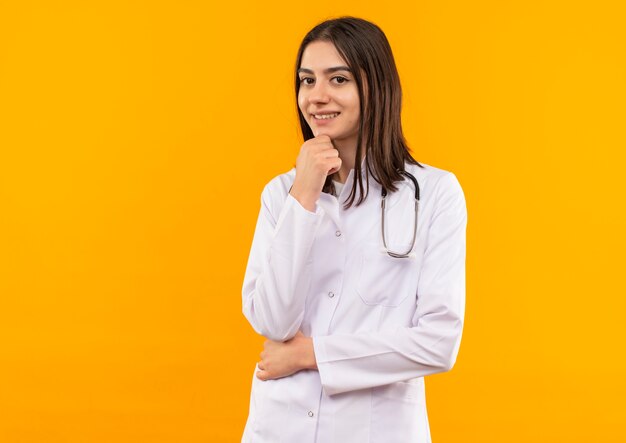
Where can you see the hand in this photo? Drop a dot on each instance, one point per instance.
(280, 359)
(318, 158)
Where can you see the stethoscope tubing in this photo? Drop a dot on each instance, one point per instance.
(382, 205)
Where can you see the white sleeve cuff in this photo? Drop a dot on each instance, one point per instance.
(323, 365)
(291, 200)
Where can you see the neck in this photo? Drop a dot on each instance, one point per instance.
(347, 152)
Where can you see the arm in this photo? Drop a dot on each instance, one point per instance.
(355, 361)
(277, 275)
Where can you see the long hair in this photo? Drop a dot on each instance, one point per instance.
(365, 48)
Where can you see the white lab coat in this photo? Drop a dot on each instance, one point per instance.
(379, 324)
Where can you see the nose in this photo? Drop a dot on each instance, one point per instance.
(319, 93)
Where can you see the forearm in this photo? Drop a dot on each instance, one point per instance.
(349, 362)
(278, 273)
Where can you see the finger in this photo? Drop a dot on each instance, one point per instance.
(322, 139)
(331, 153)
(335, 166)
(261, 375)
(315, 145)
(325, 153)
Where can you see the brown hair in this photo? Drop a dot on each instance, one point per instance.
(365, 48)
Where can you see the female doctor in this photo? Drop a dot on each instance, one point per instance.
(356, 274)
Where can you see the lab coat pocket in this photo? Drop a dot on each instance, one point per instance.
(385, 280)
(270, 406)
(396, 413)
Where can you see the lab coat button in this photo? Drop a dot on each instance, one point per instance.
(311, 414)
(331, 294)
(338, 233)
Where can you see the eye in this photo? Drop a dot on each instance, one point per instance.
(338, 78)
(303, 80)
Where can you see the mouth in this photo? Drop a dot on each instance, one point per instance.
(325, 116)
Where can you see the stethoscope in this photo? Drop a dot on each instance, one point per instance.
(382, 205)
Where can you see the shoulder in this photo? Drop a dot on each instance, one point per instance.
(276, 190)
(280, 184)
(441, 193)
(435, 181)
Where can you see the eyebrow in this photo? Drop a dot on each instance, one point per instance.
(326, 71)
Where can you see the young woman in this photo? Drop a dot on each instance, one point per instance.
(356, 274)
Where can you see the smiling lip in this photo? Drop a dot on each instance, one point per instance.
(322, 121)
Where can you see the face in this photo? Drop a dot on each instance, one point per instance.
(328, 97)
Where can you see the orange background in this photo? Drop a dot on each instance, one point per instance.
(136, 137)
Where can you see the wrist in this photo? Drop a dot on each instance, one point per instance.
(308, 357)
(308, 200)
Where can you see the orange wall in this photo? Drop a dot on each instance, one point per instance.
(135, 140)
